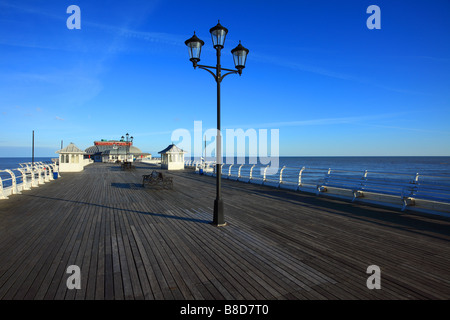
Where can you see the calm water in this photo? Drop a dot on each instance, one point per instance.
(13, 163)
(439, 166)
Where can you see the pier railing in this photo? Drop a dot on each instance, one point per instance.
(14, 181)
(419, 192)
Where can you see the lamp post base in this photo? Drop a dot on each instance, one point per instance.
(219, 220)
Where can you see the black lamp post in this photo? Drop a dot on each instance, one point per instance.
(121, 139)
(127, 149)
(194, 44)
(129, 146)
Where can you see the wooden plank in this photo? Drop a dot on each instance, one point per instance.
(169, 251)
(22, 277)
(94, 257)
(100, 276)
(153, 272)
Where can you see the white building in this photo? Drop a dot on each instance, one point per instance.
(172, 158)
(115, 150)
(71, 159)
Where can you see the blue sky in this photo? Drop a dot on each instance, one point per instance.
(315, 72)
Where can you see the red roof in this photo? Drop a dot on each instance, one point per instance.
(110, 143)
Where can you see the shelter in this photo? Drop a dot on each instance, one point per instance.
(71, 159)
(172, 158)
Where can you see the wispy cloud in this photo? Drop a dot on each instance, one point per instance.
(321, 121)
(59, 118)
(409, 129)
(77, 85)
(327, 72)
(23, 8)
(303, 67)
(162, 37)
(118, 31)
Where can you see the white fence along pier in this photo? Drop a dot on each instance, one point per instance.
(415, 192)
(14, 181)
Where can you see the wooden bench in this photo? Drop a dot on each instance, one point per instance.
(127, 166)
(157, 178)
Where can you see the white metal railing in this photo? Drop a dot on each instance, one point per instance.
(14, 181)
(200, 165)
(150, 161)
(405, 191)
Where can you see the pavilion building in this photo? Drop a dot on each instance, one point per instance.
(115, 150)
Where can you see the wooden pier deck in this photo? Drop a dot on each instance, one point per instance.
(141, 243)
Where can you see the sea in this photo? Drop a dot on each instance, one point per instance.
(407, 165)
(14, 163)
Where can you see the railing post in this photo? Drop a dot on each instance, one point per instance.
(40, 179)
(364, 178)
(264, 175)
(50, 172)
(34, 183)
(251, 172)
(39, 171)
(24, 179)
(2, 195)
(281, 174)
(327, 175)
(300, 176)
(365, 175)
(15, 189)
(239, 172)
(44, 168)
